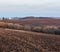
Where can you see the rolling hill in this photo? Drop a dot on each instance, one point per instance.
(25, 41)
(35, 21)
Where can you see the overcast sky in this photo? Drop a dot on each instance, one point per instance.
(10, 8)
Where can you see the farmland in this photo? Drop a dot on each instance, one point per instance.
(25, 41)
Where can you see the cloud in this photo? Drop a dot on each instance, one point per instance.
(22, 1)
(28, 3)
(30, 6)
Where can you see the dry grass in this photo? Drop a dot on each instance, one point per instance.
(24, 41)
(35, 22)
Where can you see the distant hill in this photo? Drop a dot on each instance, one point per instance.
(31, 17)
(35, 21)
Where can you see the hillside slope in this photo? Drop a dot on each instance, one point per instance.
(24, 41)
(35, 22)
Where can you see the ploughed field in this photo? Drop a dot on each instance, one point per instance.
(25, 41)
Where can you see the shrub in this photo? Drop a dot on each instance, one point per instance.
(27, 27)
(11, 26)
(2, 24)
(37, 29)
(57, 31)
(49, 29)
(19, 27)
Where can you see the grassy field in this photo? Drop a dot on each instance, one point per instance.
(25, 41)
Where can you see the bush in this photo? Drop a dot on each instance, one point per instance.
(57, 31)
(19, 27)
(50, 29)
(27, 27)
(2, 24)
(11, 26)
(37, 29)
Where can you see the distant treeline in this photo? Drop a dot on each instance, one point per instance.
(27, 17)
(42, 29)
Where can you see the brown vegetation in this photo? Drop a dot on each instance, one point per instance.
(24, 41)
(35, 22)
(39, 35)
(42, 29)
